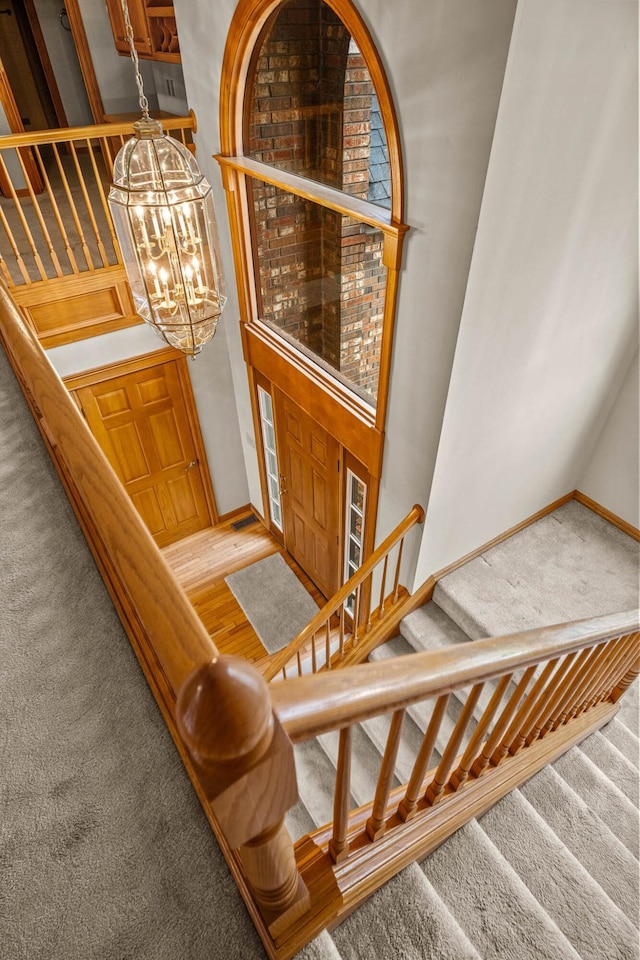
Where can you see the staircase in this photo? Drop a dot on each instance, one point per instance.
(105, 852)
(552, 870)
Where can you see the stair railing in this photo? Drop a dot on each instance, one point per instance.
(54, 217)
(347, 622)
(547, 689)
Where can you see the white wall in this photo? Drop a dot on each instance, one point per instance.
(550, 313)
(611, 477)
(64, 61)
(115, 74)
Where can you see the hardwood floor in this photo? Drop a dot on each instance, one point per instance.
(200, 564)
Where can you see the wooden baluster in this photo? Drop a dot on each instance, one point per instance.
(539, 709)
(369, 592)
(626, 682)
(284, 673)
(376, 824)
(383, 584)
(607, 668)
(459, 776)
(486, 757)
(299, 660)
(341, 630)
(39, 216)
(72, 207)
(314, 664)
(246, 769)
(327, 645)
(56, 210)
(630, 646)
(409, 802)
(103, 200)
(23, 220)
(396, 579)
(593, 658)
(436, 787)
(356, 614)
(89, 206)
(339, 845)
(16, 252)
(525, 710)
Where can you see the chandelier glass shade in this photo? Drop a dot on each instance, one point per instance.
(162, 210)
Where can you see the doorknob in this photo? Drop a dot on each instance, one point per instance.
(191, 465)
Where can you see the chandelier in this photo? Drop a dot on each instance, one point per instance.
(162, 210)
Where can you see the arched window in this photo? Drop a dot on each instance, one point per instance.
(311, 163)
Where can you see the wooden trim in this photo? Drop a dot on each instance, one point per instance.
(96, 132)
(84, 58)
(607, 514)
(43, 53)
(237, 512)
(120, 368)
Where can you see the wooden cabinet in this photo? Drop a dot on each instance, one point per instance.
(155, 36)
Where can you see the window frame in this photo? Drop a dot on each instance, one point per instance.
(251, 20)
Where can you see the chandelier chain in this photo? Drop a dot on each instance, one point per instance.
(142, 100)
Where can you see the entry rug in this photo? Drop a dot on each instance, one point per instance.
(276, 604)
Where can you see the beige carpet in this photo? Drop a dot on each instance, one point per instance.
(106, 855)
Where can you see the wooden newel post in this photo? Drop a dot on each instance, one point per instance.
(245, 764)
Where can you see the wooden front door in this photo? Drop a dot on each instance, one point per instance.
(142, 422)
(309, 460)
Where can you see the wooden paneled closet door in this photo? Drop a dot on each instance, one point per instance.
(141, 421)
(309, 460)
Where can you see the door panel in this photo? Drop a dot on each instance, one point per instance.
(309, 458)
(140, 420)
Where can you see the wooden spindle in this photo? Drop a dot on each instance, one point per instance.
(103, 200)
(409, 803)
(87, 199)
(525, 710)
(630, 646)
(339, 845)
(436, 787)
(590, 666)
(626, 682)
(314, 663)
(604, 672)
(16, 251)
(376, 824)
(383, 585)
(486, 757)
(56, 210)
(539, 709)
(40, 218)
(299, 661)
(246, 769)
(72, 206)
(327, 645)
(356, 614)
(396, 579)
(23, 220)
(459, 776)
(341, 640)
(565, 695)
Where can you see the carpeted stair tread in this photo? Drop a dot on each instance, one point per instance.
(365, 763)
(316, 781)
(398, 646)
(377, 729)
(625, 741)
(429, 628)
(299, 821)
(587, 837)
(404, 920)
(629, 712)
(592, 923)
(522, 582)
(613, 764)
(498, 913)
(322, 948)
(602, 795)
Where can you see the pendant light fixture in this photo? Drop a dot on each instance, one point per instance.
(162, 210)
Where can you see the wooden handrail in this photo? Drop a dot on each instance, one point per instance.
(280, 660)
(311, 705)
(178, 641)
(94, 132)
